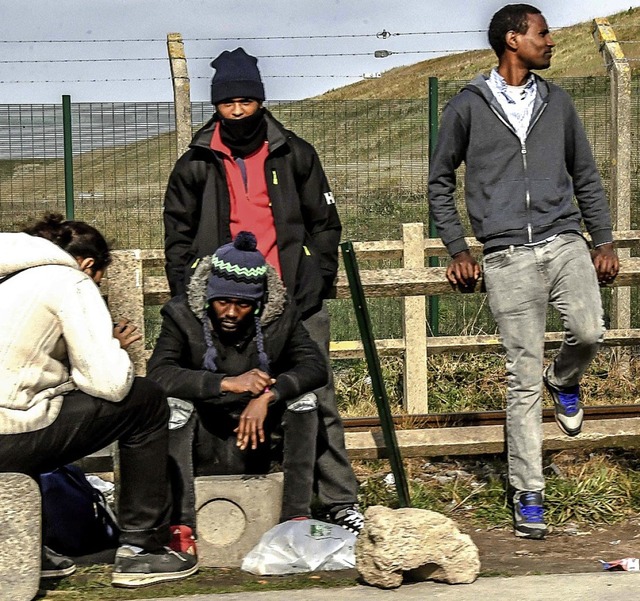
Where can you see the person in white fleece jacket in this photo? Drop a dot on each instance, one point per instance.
(67, 389)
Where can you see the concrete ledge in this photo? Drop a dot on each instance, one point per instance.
(475, 440)
(233, 512)
(20, 533)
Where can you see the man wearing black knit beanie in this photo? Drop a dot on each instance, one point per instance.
(245, 171)
(236, 358)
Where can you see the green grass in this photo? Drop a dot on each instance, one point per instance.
(93, 583)
(582, 488)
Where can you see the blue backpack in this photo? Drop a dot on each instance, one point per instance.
(76, 517)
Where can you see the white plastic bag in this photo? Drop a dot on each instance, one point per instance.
(301, 546)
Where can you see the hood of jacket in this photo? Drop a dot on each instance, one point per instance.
(21, 251)
(276, 133)
(276, 293)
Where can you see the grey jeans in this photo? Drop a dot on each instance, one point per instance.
(521, 282)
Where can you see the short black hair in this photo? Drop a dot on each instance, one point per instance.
(512, 17)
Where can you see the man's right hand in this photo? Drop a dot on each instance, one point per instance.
(126, 333)
(254, 381)
(463, 271)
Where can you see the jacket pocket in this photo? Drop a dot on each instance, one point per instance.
(310, 285)
(505, 208)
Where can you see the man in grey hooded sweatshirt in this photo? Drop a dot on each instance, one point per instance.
(526, 157)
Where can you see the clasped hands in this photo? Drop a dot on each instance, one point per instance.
(250, 428)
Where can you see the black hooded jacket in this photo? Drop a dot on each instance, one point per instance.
(295, 360)
(197, 213)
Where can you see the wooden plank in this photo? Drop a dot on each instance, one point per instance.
(352, 349)
(395, 282)
(476, 440)
(432, 281)
(414, 327)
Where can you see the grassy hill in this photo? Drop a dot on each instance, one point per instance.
(576, 55)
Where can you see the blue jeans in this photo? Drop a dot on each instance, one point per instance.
(521, 282)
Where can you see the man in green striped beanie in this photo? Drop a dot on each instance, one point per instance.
(236, 359)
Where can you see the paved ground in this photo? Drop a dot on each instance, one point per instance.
(619, 586)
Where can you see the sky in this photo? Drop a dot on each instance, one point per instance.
(116, 51)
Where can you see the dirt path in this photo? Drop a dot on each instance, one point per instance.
(563, 551)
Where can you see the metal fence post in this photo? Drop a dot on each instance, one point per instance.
(377, 383)
(620, 195)
(434, 301)
(181, 91)
(414, 325)
(68, 157)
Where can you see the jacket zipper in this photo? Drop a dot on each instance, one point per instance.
(523, 152)
(527, 192)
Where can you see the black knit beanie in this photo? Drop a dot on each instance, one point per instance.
(236, 76)
(238, 270)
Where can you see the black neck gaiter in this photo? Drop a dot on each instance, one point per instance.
(244, 136)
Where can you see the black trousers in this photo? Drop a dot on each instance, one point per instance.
(87, 424)
(335, 481)
(206, 446)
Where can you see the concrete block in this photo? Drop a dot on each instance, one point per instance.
(233, 512)
(20, 533)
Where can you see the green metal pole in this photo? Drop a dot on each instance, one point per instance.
(434, 301)
(68, 157)
(377, 382)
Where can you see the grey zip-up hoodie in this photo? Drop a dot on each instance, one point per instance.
(516, 193)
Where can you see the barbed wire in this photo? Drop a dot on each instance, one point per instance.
(384, 34)
(208, 58)
(168, 78)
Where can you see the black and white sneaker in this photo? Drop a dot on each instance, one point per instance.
(528, 515)
(54, 565)
(132, 569)
(568, 406)
(348, 517)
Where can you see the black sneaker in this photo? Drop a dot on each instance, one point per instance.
(132, 569)
(54, 565)
(528, 515)
(348, 517)
(568, 408)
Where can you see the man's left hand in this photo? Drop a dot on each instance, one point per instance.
(250, 429)
(606, 263)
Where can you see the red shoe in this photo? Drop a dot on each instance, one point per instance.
(182, 540)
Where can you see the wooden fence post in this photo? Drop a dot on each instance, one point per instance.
(181, 91)
(620, 187)
(126, 299)
(414, 325)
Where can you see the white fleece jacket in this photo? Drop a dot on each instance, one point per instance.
(56, 335)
